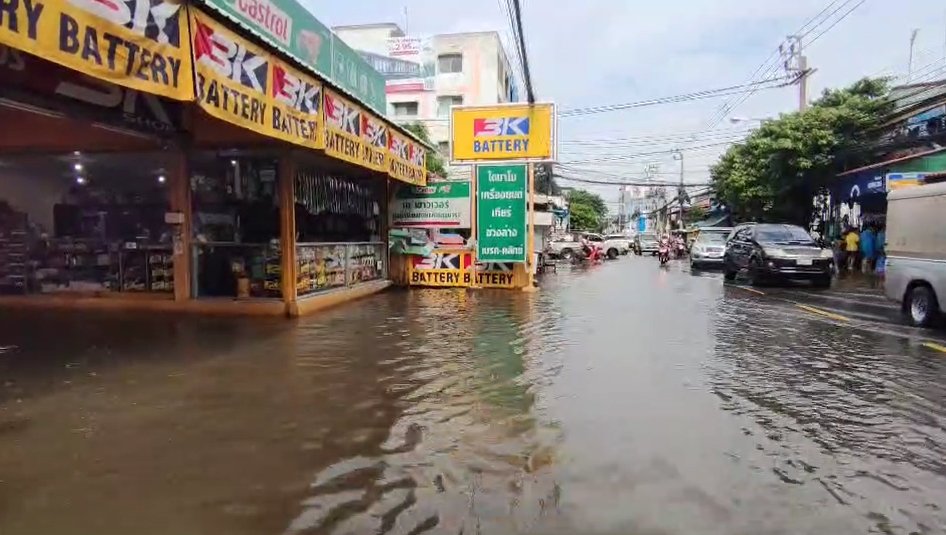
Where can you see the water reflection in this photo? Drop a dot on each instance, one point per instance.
(464, 447)
(623, 398)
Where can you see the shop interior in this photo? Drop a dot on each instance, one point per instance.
(91, 223)
(339, 215)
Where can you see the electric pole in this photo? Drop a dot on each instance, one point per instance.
(795, 62)
(910, 61)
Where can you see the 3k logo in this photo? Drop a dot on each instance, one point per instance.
(229, 58)
(342, 116)
(418, 155)
(296, 93)
(505, 126)
(398, 147)
(155, 19)
(374, 132)
(440, 261)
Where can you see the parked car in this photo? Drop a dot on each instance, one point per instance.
(915, 275)
(564, 246)
(776, 252)
(617, 244)
(708, 249)
(646, 243)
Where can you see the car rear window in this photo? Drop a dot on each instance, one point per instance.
(782, 233)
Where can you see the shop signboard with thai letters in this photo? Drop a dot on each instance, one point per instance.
(139, 44)
(501, 195)
(242, 84)
(436, 205)
(520, 132)
(293, 30)
(49, 86)
(343, 129)
(407, 160)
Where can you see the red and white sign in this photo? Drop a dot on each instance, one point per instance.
(404, 47)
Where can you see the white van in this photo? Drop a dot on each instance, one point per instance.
(916, 251)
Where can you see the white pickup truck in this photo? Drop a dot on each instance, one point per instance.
(567, 246)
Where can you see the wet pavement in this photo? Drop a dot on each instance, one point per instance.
(622, 398)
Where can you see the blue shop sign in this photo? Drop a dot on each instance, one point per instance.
(860, 184)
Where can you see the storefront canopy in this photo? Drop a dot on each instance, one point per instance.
(307, 88)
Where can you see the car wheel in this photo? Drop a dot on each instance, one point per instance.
(756, 278)
(920, 306)
(567, 254)
(612, 253)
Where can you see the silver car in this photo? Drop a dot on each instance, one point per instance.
(708, 249)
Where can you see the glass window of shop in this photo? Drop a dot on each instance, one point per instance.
(85, 224)
(235, 227)
(338, 231)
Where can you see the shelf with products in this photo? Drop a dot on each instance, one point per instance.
(320, 267)
(14, 253)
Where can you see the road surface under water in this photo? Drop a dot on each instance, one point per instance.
(624, 398)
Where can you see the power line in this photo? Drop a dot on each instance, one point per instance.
(698, 95)
(639, 154)
(629, 182)
(835, 23)
(768, 67)
(525, 55)
(687, 97)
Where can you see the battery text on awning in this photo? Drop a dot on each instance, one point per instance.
(95, 45)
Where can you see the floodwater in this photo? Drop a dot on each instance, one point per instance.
(620, 399)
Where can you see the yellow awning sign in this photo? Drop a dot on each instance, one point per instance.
(343, 129)
(519, 132)
(374, 148)
(242, 84)
(407, 160)
(141, 44)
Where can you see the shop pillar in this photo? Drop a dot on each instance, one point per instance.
(287, 226)
(181, 217)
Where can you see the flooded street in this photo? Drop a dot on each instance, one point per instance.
(619, 399)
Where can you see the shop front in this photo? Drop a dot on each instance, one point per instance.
(212, 175)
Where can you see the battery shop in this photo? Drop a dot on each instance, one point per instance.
(173, 169)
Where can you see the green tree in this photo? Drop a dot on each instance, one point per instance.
(434, 159)
(775, 172)
(587, 210)
(694, 214)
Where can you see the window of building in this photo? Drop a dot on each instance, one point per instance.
(447, 63)
(444, 103)
(405, 109)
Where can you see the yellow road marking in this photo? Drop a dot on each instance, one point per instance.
(753, 290)
(824, 313)
(935, 346)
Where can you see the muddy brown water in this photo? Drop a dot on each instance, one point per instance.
(620, 399)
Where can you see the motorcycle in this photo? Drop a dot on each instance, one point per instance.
(589, 253)
(663, 253)
(680, 250)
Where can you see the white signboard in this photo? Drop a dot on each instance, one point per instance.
(437, 205)
(404, 47)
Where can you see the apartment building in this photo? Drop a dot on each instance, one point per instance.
(425, 76)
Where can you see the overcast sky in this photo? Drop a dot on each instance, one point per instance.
(599, 52)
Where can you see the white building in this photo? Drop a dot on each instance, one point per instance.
(427, 75)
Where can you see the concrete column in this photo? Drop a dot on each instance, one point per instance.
(287, 224)
(180, 205)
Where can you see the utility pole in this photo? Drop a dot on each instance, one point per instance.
(795, 62)
(910, 61)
